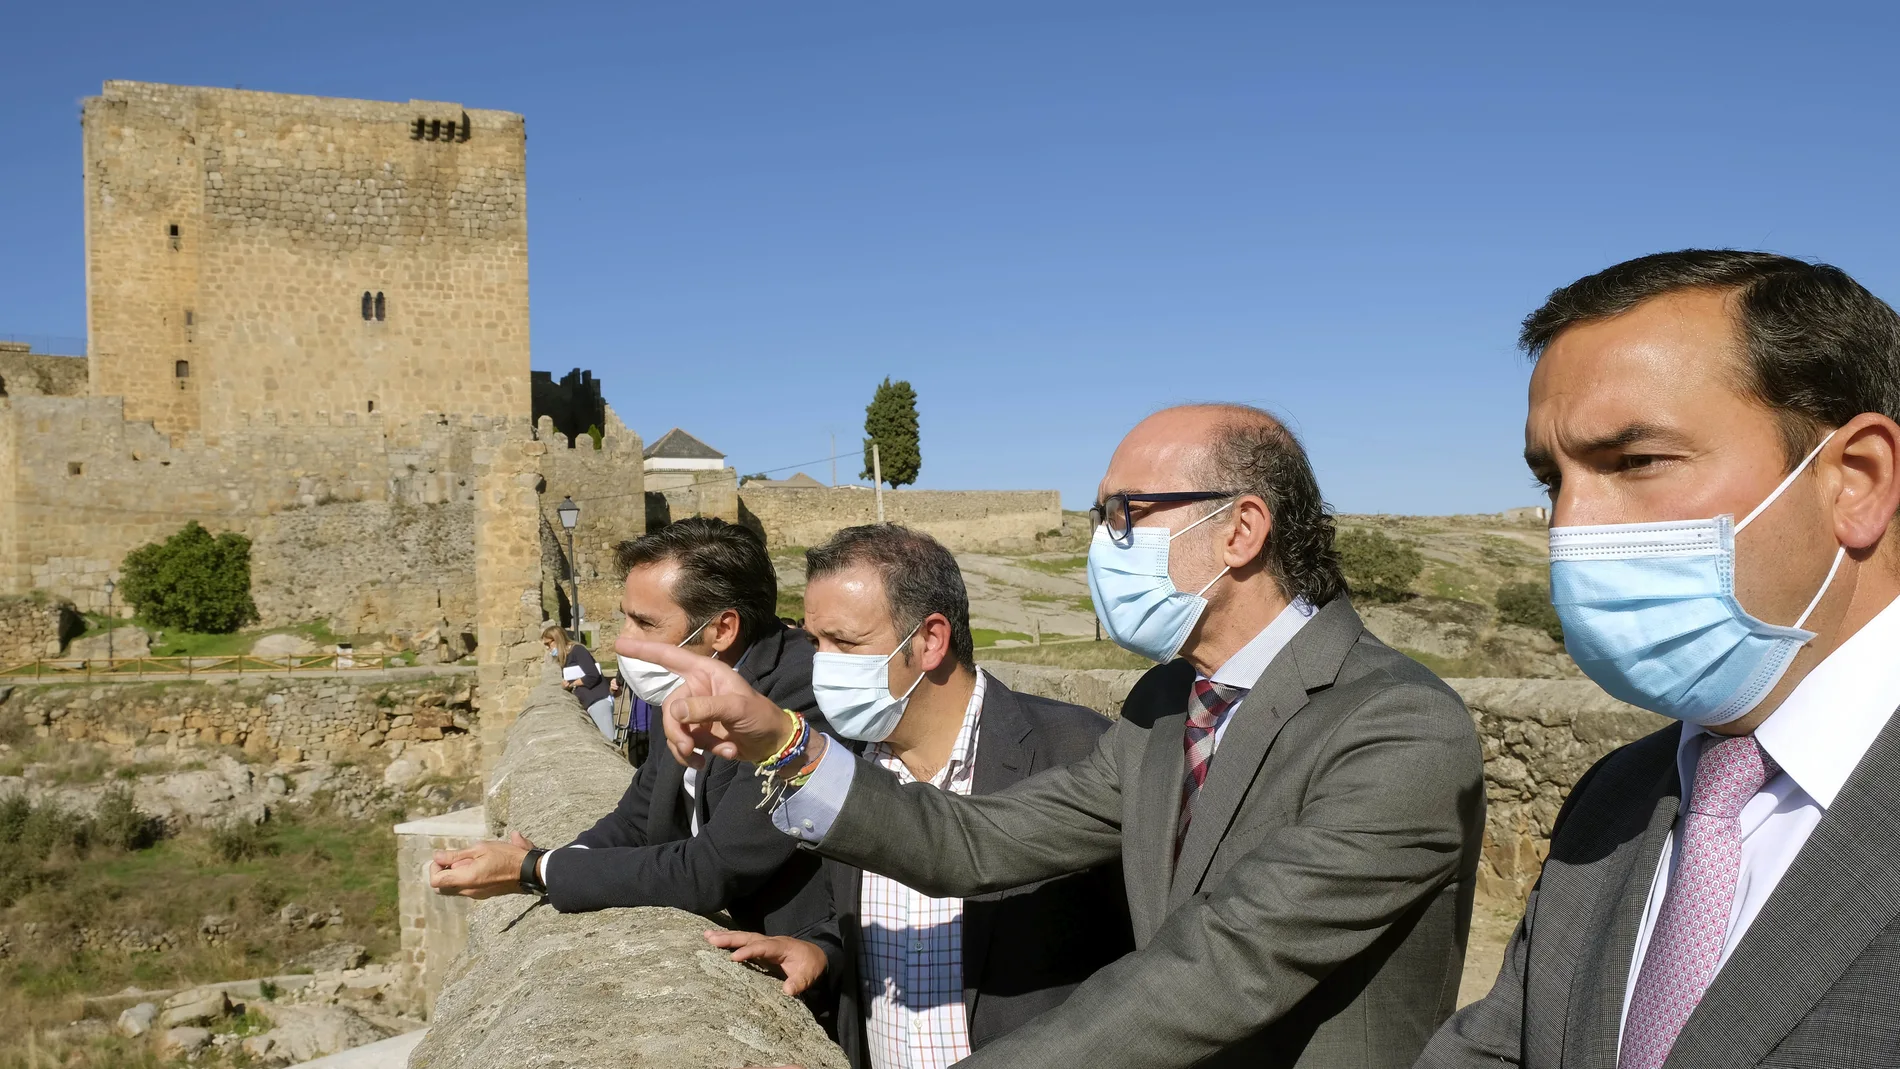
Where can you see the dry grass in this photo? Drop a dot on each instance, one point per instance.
(1102, 654)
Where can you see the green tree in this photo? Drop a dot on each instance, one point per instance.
(1528, 605)
(890, 420)
(1377, 566)
(192, 581)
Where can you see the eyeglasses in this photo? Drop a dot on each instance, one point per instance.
(1118, 517)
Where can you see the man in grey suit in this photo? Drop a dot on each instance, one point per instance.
(1298, 831)
(1724, 893)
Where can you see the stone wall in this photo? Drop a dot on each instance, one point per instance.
(35, 627)
(621, 987)
(608, 486)
(1539, 737)
(965, 520)
(433, 928)
(336, 513)
(24, 373)
(286, 719)
(508, 606)
(675, 495)
(231, 236)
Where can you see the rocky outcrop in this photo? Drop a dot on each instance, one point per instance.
(1100, 689)
(622, 987)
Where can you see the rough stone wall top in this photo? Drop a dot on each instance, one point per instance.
(974, 520)
(621, 987)
(29, 374)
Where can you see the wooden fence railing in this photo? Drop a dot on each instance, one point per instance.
(171, 667)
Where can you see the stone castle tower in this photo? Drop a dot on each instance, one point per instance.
(256, 256)
(308, 323)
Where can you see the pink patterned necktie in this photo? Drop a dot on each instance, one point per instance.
(1685, 949)
(1211, 699)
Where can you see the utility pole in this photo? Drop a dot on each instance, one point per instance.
(877, 474)
(834, 460)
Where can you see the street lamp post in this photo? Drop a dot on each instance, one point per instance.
(110, 587)
(570, 514)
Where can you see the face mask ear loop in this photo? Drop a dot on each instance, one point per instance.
(1210, 583)
(1825, 583)
(1200, 521)
(887, 664)
(695, 633)
(1785, 483)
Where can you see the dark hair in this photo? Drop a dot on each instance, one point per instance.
(1818, 348)
(1253, 453)
(721, 566)
(920, 577)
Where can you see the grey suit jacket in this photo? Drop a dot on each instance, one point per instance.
(1815, 981)
(1318, 913)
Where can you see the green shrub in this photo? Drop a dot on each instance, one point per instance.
(119, 822)
(192, 581)
(1377, 566)
(1528, 604)
(242, 842)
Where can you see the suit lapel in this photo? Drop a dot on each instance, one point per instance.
(1149, 814)
(1595, 1021)
(1309, 662)
(1256, 723)
(1839, 893)
(1005, 754)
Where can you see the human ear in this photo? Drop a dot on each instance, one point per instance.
(1868, 473)
(1251, 527)
(936, 636)
(724, 631)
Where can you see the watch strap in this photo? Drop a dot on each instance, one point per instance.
(531, 871)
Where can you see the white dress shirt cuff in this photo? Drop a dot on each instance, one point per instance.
(808, 814)
(541, 868)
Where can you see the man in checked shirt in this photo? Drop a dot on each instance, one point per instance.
(923, 981)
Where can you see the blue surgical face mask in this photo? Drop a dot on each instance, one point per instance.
(653, 683)
(1134, 596)
(853, 690)
(1649, 612)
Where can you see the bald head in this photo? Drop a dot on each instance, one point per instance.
(1247, 452)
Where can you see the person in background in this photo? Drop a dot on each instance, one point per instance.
(1298, 816)
(1719, 432)
(692, 838)
(591, 689)
(921, 981)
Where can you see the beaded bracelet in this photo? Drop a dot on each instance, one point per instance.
(793, 749)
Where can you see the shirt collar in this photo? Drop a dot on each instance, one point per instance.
(962, 752)
(1250, 662)
(1829, 721)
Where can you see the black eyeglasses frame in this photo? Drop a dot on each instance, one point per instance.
(1101, 511)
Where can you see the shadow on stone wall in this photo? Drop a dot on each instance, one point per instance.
(622, 987)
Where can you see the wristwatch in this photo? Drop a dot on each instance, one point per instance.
(531, 872)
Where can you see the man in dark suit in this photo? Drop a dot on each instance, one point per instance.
(1726, 892)
(1298, 828)
(918, 980)
(694, 839)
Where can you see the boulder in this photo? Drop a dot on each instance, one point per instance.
(335, 957)
(183, 1042)
(306, 1032)
(194, 1007)
(285, 645)
(126, 642)
(137, 1020)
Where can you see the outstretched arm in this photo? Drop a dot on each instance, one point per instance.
(1381, 830)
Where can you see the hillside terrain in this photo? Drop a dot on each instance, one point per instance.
(1447, 617)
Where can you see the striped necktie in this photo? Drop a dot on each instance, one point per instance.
(1211, 702)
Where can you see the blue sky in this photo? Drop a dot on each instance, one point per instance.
(1053, 218)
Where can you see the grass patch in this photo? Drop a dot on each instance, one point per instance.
(791, 604)
(1063, 566)
(1052, 599)
(1070, 655)
(169, 887)
(985, 637)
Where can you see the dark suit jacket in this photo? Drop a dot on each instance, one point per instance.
(1814, 982)
(1318, 913)
(1024, 949)
(644, 852)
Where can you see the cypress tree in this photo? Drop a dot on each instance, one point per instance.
(890, 420)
